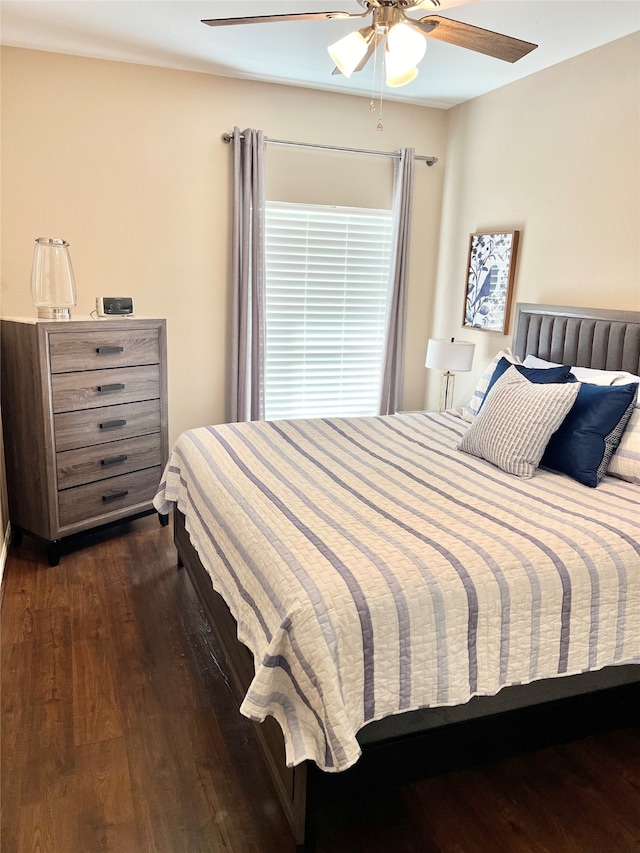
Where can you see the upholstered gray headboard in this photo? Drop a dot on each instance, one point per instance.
(585, 337)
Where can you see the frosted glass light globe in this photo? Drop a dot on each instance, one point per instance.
(406, 42)
(397, 72)
(348, 52)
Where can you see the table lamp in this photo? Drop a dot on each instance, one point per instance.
(451, 357)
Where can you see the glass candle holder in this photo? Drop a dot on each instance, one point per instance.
(53, 287)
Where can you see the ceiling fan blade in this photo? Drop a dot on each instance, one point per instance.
(425, 5)
(376, 38)
(269, 19)
(473, 38)
(410, 5)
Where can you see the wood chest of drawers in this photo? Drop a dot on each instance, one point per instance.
(84, 413)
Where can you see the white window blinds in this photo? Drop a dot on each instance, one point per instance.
(327, 283)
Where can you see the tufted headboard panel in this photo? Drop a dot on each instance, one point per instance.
(584, 337)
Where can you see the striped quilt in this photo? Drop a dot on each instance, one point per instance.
(373, 569)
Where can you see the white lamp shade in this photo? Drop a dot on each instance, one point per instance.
(396, 72)
(348, 52)
(408, 44)
(405, 48)
(449, 356)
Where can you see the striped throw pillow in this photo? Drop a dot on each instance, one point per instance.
(472, 409)
(625, 462)
(516, 422)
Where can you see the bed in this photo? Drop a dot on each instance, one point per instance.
(386, 583)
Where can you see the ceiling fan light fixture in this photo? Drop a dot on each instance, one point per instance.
(404, 41)
(397, 71)
(348, 52)
(405, 36)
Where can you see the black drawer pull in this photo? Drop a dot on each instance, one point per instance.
(113, 424)
(113, 460)
(107, 389)
(109, 350)
(114, 496)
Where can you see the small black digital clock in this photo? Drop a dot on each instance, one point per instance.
(108, 306)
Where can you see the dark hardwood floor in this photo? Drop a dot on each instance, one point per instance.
(120, 734)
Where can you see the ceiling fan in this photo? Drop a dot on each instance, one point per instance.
(405, 46)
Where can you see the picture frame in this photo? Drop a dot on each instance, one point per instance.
(491, 263)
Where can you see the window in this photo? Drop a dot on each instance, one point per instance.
(327, 284)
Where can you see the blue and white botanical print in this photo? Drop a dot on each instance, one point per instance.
(488, 281)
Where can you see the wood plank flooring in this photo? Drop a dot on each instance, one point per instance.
(120, 734)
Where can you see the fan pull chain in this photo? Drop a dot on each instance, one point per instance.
(380, 126)
(372, 105)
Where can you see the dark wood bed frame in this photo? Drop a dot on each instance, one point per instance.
(603, 339)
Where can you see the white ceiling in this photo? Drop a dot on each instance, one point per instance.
(168, 33)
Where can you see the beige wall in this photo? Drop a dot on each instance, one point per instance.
(557, 156)
(126, 163)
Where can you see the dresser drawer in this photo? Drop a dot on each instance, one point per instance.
(109, 423)
(94, 388)
(95, 350)
(84, 503)
(89, 464)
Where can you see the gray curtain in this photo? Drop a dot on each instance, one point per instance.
(393, 363)
(247, 276)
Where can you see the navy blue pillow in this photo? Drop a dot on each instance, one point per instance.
(539, 375)
(585, 442)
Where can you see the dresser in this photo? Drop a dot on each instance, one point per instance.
(84, 415)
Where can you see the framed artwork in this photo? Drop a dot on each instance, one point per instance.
(490, 269)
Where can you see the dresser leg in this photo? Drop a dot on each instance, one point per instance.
(53, 552)
(163, 519)
(16, 536)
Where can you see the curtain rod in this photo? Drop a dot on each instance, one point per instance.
(430, 161)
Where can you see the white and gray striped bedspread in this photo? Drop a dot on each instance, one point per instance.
(373, 569)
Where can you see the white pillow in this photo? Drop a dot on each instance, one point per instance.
(587, 374)
(472, 409)
(625, 462)
(534, 361)
(603, 377)
(625, 379)
(516, 422)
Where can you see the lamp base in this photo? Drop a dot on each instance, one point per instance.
(54, 313)
(447, 381)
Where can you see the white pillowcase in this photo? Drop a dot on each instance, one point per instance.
(587, 374)
(472, 409)
(516, 422)
(534, 361)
